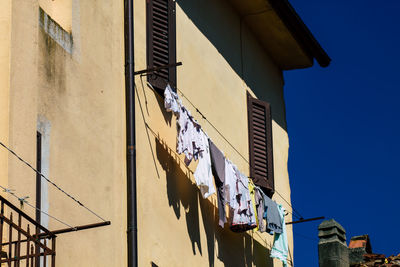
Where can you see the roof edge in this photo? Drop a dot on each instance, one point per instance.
(300, 31)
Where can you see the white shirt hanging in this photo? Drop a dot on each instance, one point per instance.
(203, 174)
(171, 100)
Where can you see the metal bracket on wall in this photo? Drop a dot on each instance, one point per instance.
(158, 68)
(306, 220)
(75, 229)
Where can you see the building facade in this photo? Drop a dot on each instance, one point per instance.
(63, 78)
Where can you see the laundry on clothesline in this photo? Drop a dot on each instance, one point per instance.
(243, 214)
(218, 170)
(280, 247)
(249, 207)
(203, 174)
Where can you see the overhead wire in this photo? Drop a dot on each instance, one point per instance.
(23, 200)
(296, 213)
(51, 182)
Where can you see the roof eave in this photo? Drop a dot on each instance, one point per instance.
(300, 31)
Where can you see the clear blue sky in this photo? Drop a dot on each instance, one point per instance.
(343, 124)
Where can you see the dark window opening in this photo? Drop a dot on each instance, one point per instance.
(38, 177)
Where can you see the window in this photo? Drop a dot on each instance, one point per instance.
(260, 144)
(38, 177)
(161, 41)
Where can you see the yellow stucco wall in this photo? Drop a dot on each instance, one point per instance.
(176, 226)
(60, 10)
(22, 101)
(82, 96)
(79, 94)
(5, 43)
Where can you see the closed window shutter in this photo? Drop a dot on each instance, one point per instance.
(260, 144)
(161, 41)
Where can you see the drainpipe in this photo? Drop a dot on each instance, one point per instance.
(130, 135)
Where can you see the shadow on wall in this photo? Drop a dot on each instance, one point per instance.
(158, 95)
(180, 192)
(221, 24)
(234, 249)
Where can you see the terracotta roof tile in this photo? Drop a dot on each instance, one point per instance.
(357, 244)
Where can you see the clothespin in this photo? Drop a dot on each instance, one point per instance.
(22, 200)
(8, 190)
(286, 214)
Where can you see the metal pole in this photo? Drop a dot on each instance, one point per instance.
(306, 220)
(130, 136)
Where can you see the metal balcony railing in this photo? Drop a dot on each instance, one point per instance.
(24, 242)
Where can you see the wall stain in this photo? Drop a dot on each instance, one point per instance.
(52, 72)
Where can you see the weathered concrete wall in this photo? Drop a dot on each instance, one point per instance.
(176, 226)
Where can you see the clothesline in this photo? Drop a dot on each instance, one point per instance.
(230, 144)
(277, 253)
(296, 214)
(24, 201)
(289, 261)
(162, 142)
(157, 136)
(195, 144)
(51, 182)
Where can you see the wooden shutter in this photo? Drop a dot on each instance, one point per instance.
(260, 143)
(161, 41)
